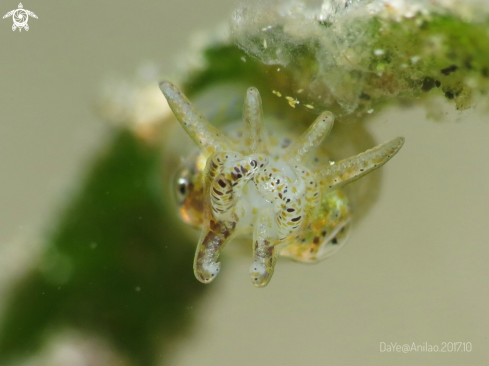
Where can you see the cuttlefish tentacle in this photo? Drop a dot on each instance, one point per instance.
(214, 234)
(225, 175)
(208, 138)
(276, 228)
(302, 151)
(265, 249)
(228, 185)
(256, 137)
(335, 176)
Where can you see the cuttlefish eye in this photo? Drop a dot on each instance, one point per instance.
(180, 186)
(187, 193)
(181, 189)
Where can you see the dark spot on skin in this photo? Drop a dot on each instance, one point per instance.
(316, 240)
(334, 241)
(217, 192)
(290, 209)
(236, 169)
(437, 83)
(280, 195)
(303, 240)
(253, 163)
(221, 183)
(447, 71)
(295, 219)
(324, 233)
(362, 170)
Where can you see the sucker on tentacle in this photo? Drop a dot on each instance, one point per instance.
(275, 193)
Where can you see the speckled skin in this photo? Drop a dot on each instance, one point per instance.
(278, 188)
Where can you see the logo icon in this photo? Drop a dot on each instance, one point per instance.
(20, 17)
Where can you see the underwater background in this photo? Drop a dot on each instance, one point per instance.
(414, 270)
